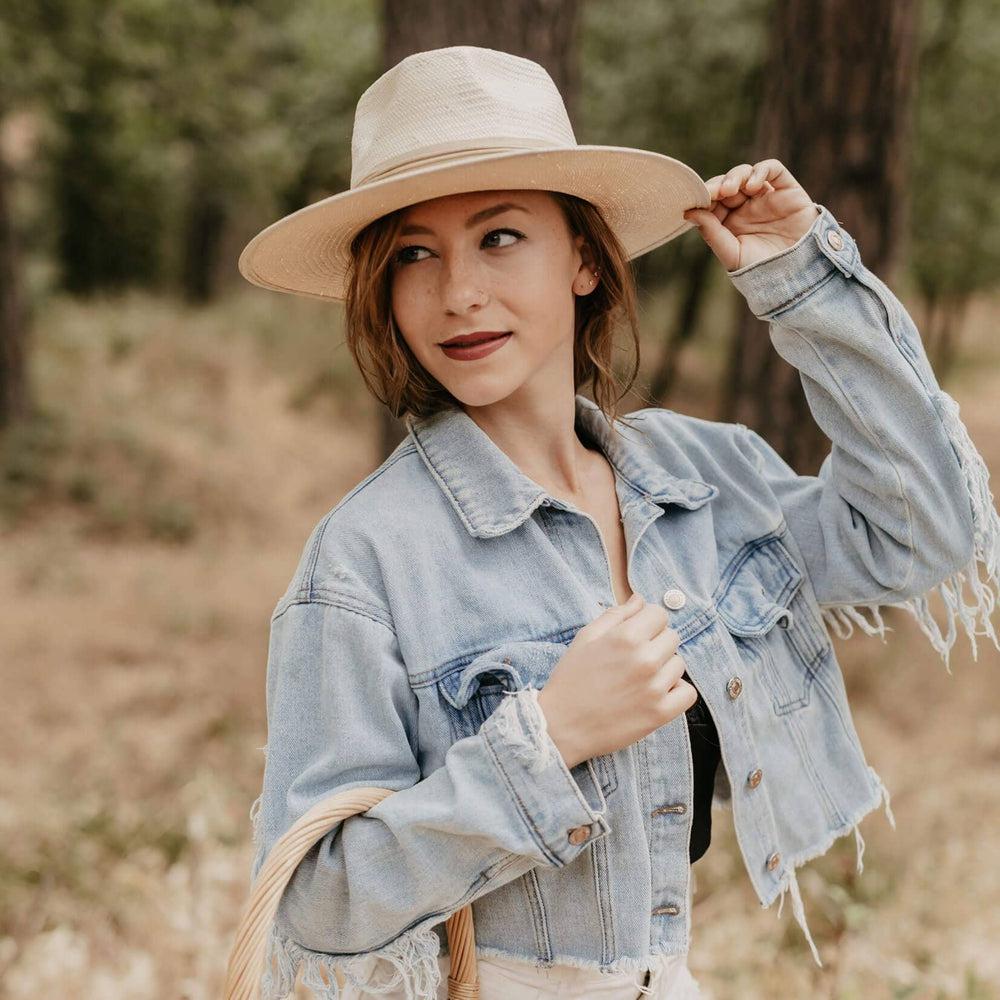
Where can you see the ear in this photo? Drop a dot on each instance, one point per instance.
(586, 278)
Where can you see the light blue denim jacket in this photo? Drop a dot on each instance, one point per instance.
(432, 602)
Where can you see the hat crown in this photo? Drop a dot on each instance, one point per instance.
(443, 102)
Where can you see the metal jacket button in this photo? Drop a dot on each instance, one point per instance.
(669, 909)
(835, 239)
(674, 599)
(579, 834)
(773, 861)
(734, 687)
(754, 779)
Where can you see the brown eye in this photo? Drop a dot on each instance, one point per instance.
(511, 232)
(400, 259)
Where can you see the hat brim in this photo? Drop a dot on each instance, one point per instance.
(642, 195)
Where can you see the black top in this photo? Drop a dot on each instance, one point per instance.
(706, 757)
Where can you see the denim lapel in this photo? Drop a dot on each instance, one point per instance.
(492, 496)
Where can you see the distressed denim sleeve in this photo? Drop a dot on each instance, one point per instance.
(902, 503)
(341, 714)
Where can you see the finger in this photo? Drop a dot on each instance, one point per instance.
(670, 672)
(733, 180)
(617, 613)
(633, 604)
(679, 698)
(719, 210)
(647, 623)
(720, 240)
(774, 173)
(713, 186)
(758, 177)
(664, 646)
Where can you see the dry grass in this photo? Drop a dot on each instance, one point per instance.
(153, 518)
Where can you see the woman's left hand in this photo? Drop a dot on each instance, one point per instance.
(756, 212)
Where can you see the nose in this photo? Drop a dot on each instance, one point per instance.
(462, 287)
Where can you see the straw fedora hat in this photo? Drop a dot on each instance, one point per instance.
(458, 119)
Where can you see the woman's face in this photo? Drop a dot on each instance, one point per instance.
(497, 262)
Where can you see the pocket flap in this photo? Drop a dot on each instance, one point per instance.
(757, 588)
(510, 666)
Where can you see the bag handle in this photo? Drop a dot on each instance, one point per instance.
(248, 954)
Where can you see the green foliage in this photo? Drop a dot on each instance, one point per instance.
(171, 132)
(955, 211)
(155, 116)
(686, 87)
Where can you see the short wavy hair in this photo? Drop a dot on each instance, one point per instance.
(398, 380)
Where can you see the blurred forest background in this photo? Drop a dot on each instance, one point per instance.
(170, 434)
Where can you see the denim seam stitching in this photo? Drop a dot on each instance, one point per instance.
(771, 315)
(340, 605)
(865, 279)
(760, 834)
(480, 880)
(909, 518)
(874, 438)
(307, 587)
(801, 741)
(602, 878)
(540, 919)
(526, 818)
(457, 664)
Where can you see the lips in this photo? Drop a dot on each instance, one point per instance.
(473, 347)
(479, 337)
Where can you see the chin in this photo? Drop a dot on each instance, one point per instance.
(482, 391)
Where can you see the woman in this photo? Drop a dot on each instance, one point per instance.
(555, 632)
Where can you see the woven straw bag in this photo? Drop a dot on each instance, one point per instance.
(246, 960)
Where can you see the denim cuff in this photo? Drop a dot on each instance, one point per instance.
(564, 815)
(777, 282)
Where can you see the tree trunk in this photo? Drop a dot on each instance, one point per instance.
(203, 232)
(14, 390)
(942, 320)
(542, 30)
(836, 109)
(692, 277)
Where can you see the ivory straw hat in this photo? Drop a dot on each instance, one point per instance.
(459, 119)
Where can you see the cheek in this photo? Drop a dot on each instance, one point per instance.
(545, 299)
(410, 309)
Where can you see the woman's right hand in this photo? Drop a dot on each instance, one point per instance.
(619, 679)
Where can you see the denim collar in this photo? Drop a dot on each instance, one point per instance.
(492, 496)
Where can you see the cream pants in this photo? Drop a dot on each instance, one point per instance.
(509, 979)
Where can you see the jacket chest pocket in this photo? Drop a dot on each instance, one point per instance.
(766, 604)
(471, 692)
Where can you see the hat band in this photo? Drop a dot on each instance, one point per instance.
(455, 151)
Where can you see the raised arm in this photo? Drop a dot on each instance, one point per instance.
(341, 714)
(902, 504)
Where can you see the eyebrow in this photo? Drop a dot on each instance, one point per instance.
(476, 217)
